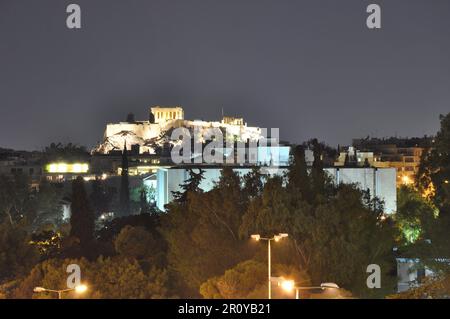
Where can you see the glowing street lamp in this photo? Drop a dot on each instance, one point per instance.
(78, 289)
(276, 238)
(288, 285)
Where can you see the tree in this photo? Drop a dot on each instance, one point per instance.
(139, 244)
(270, 213)
(49, 210)
(317, 173)
(432, 288)
(69, 151)
(107, 278)
(143, 203)
(82, 218)
(332, 239)
(203, 232)
(99, 198)
(17, 256)
(434, 171)
(341, 238)
(240, 282)
(414, 216)
(145, 197)
(16, 199)
(48, 243)
(253, 183)
(124, 201)
(248, 280)
(111, 229)
(433, 182)
(191, 185)
(298, 178)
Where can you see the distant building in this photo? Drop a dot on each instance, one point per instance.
(61, 171)
(402, 154)
(351, 157)
(22, 163)
(410, 273)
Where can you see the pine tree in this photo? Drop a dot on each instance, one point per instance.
(253, 183)
(298, 179)
(124, 203)
(192, 184)
(82, 220)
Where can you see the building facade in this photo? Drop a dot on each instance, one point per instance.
(402, 154)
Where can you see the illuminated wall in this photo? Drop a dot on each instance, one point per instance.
(380, 182)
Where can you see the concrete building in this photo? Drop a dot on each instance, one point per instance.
(410, 273)
(404, 157)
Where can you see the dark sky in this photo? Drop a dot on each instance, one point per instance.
(311, 68)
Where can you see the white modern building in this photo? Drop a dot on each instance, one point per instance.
(380, 182)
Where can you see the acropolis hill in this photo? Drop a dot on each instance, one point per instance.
(155, 131)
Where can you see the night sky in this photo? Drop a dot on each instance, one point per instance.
(311, 68)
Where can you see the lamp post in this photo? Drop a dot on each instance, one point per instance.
(78, 289)
(289, 285)
(276, 238)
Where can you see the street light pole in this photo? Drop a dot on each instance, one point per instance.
(269, 256)
(269, 266)
(78, 289)
(289, 285)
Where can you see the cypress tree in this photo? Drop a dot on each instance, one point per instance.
(124, 201)
(82, 219)
(298, 179)
(317, 173)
